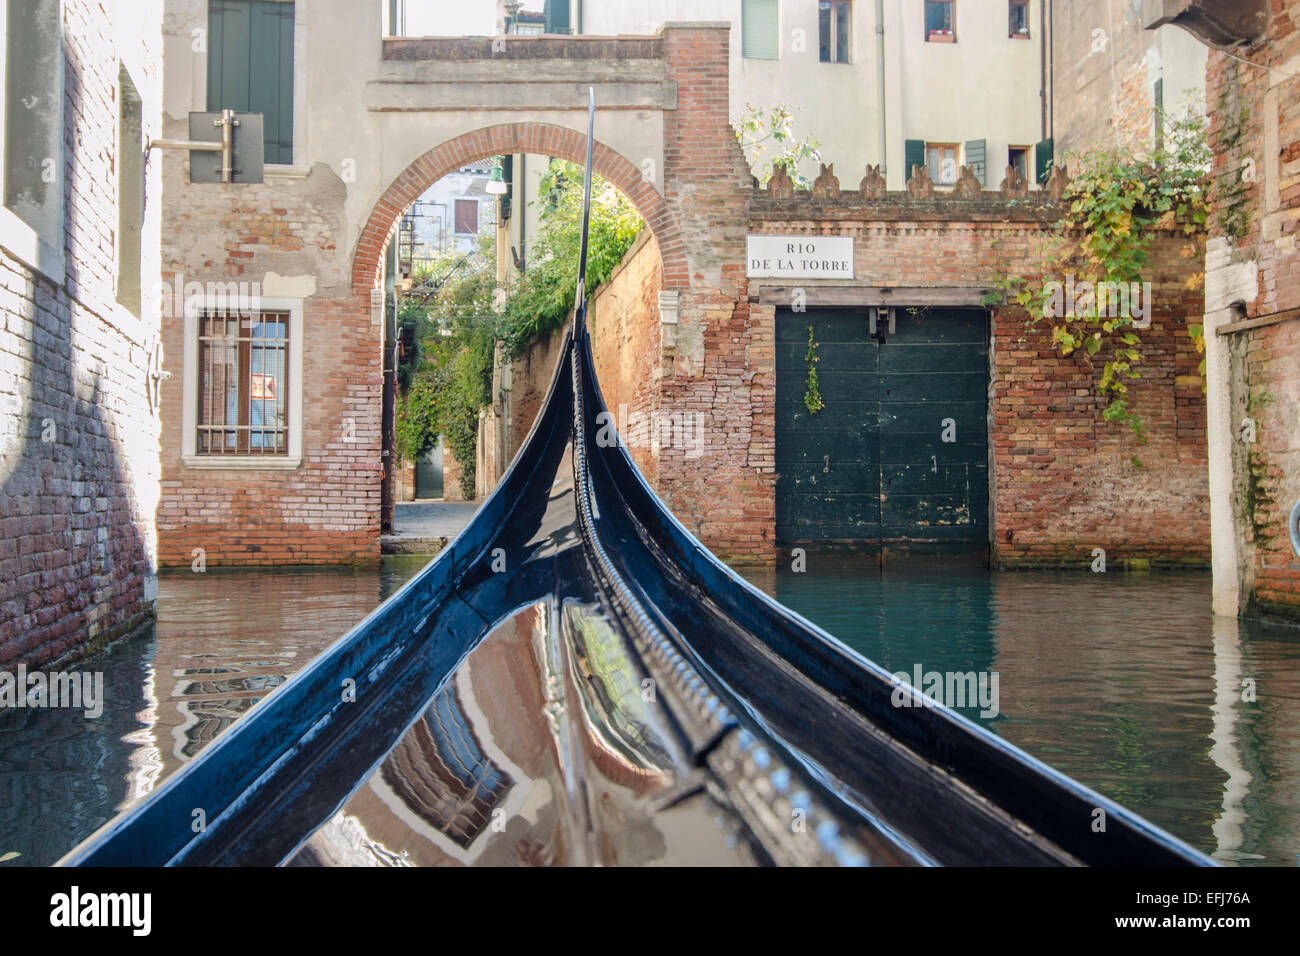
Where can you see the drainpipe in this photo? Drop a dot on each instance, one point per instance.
(880, 83)
(1042, 63)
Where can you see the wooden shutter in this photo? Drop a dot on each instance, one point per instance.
(913, 155)
(250, 67)
(976, 156)
(1043, 160)
(466, 217)
(759, 29)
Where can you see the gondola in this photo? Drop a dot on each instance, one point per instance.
(576, 680)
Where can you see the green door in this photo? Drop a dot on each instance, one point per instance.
(827, 462)
(428, 471)
(899, 453)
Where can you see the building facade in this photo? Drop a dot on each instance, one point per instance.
(935, 82)
(79, 340)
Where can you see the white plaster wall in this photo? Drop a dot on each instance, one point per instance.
(984, 86)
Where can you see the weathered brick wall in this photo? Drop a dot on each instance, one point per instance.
(1063, 480)
(1270, 482)
(280, 235)
(78, 438)
(1105, 70)
(721, 364)
(623, 317)
(322, 512)
(531, 375)
(1253, 260)
(452, 489)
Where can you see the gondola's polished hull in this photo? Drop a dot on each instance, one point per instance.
(576, 680)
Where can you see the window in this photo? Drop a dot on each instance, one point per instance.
(759, 34)
(243, 391)
(941, 160)
(250, 67)
(938, 21)
(31, 111)
(130, 192)
(557, 17)
(466, 217)
(1018, 159)
(833, 28)
(1019, 26)
(242, 381)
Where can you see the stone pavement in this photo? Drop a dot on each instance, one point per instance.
(424, 527)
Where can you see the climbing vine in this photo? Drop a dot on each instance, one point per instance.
(812, 396)
(1092, 302)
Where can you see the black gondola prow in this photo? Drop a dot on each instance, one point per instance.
(580, 296)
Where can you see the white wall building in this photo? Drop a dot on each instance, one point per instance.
(961, 80)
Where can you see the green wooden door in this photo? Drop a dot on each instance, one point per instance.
(934, 427)
(899, 452)
(828, 462)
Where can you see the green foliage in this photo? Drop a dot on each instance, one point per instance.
(541, 299)
(450, 305)
(460, 313)
(1113, 206)
(812, 396)
(760, 131)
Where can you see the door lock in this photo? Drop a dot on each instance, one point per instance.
(826, 466)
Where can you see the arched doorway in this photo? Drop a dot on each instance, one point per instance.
(542, 138)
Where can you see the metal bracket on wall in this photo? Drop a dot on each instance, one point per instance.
(874, 316)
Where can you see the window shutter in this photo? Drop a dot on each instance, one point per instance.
(975, 159)
(1043, 160)
(913, 155)
(250, 67)
(759, 29)
(228, 24)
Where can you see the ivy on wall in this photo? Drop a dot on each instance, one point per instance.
(812, 396)
(1084, 300)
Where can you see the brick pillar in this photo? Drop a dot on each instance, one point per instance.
(721, 365)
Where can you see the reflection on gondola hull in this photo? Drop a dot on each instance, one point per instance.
(576, 680)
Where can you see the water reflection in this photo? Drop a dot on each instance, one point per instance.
(223, 640)
(1126, 682)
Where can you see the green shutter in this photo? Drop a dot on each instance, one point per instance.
(976, 155)
(250, 67)
(1043, 160)
(913, 155)
(557, 16)
(760, 29)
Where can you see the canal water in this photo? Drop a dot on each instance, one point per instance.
(1125, 682)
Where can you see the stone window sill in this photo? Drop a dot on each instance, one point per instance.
(241, 462)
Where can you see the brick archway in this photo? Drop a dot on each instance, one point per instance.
(542, 139)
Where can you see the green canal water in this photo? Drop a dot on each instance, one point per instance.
(1126, 682)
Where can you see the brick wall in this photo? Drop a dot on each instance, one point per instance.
(324, 511)
(78, 437)
(720, 365)
(1105, 68)
(624, 321)
(1254, 260)
(531, 375)
(1063, 481)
